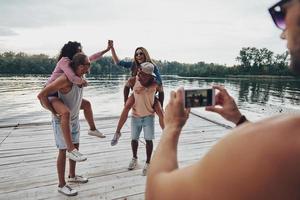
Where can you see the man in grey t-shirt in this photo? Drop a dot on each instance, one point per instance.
(71, 95)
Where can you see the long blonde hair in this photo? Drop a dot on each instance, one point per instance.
(136, 65)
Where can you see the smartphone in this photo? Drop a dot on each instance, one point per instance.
(199, 97)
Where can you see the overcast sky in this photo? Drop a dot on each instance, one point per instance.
(186, 31)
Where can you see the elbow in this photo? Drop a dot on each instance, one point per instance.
(39, 96)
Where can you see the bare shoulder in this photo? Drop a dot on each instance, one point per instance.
(256, 151)
(274, 125)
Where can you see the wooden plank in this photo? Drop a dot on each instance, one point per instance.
(28, 160)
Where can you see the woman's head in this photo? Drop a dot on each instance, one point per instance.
(80, 64)
(141, 55)
(70, 49)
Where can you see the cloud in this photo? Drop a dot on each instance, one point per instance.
(7, 32)
(186, 31)
(36, 13)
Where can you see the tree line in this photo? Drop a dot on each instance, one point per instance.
(252, 61)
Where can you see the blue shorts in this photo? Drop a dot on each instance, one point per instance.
(58, 134)
(145, 123)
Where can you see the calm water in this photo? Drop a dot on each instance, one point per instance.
(19, 103)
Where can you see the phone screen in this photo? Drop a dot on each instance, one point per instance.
(198, 97)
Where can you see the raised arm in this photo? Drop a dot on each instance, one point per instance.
(114, 54)
(163, 176)
(53, 87)
(99, 55)
(125, 64)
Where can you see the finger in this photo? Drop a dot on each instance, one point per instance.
(213, 109)
(180, 94)
(220, 88)
(187, 111)
(172, 95)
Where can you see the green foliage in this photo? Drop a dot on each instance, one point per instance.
(255, 61)
(252, 61)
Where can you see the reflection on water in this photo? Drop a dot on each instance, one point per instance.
(19, 103)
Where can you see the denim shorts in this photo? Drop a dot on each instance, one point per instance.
(58, 134)
(145, 123)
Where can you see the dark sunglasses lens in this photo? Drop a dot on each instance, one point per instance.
(139, 54)
(279, 20)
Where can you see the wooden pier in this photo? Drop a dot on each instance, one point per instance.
(28, 159)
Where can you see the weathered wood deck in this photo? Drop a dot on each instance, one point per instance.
(28, 160)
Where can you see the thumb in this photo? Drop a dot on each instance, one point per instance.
(213, 109)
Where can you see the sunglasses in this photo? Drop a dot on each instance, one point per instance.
(139, 54)
(278, 13)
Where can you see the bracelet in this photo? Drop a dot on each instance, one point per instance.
(241, 120)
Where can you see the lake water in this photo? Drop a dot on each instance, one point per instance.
(265, 96)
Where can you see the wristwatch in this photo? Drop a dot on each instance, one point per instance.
(241, 120)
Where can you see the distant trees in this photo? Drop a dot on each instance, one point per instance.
(21, 63)
(252, 61)
(262, 61)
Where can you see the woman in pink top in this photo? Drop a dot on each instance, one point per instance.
(56, 106)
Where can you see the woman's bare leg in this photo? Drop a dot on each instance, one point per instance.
(88, 113)
(64, 113)
(124, 115)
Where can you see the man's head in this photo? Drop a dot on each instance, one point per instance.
(146, 74)
(80, 64)
(286, 16)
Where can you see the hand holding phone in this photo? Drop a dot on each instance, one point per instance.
(199, 97)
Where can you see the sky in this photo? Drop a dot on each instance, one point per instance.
(187, 31)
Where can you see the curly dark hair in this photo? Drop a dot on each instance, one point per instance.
(70, 49)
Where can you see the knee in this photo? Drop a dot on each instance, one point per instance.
(62, 152)
(86, 105)
(65, 113)
(134, 141)
(128, 105)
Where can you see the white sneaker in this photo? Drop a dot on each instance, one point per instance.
(115, 139)
(76, 156)
(145, 169)
(67, 190)
(97, 133)
(77, 179)
(132, 164)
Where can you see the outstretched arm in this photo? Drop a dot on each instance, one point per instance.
(114, 54)
(226, 106)
(99, 55)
